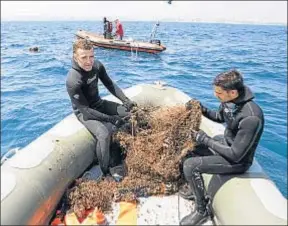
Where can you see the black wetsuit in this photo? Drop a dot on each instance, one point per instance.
(95, 113)
(244, 126)
(234, 154)
(105, 28)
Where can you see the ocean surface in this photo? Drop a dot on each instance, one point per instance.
(34, 97)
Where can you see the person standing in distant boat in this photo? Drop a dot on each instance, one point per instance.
(105, 22)
(119, 30)
(100, 117)
(230, 154)
(108, 28)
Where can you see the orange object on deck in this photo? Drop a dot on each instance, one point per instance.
(95, 217)
(100, 217)
(127, 213)
(57, 221)
(71, 219)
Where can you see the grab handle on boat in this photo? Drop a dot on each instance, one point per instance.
(9, 154)
(159, 84)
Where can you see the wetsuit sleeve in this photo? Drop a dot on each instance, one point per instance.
(78, 99)
(216, 116)
(110, 85)
(249, 129)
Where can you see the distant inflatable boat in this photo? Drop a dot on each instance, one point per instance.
(35, 178)
(128, 45)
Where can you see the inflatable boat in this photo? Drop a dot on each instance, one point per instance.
(128, 45)
(35, 178)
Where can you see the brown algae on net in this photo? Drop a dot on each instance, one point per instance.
(155, 143)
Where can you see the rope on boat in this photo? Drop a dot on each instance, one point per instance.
(136, 45)
(178, 197)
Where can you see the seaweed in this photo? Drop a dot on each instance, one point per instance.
(154, 144)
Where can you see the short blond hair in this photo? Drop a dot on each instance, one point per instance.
(82, 44)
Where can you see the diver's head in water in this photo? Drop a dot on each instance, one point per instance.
(34, 49)
(228, 85)
(83, 54)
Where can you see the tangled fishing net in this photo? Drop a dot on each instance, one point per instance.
(154, 146)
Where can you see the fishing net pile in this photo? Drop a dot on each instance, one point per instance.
(154, 145)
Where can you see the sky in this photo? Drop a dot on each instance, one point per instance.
(265, 12)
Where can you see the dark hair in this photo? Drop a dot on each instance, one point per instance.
(229, 80)
(82, 44)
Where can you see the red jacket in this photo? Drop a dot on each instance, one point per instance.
(119, 29)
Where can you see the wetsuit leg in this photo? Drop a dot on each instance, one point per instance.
(204, 161)
(102, 131)
(212, 163)
(113, 108)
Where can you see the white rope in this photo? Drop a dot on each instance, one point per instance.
(136, 46)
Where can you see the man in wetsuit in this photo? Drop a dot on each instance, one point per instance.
(107, 28)
(234, 154)
(100, 117)
(105, 23)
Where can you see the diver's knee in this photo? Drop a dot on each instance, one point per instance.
(122, 111)
(105, 134)
(189, 165)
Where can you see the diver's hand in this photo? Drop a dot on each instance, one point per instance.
(129, 104)
(127, 117)
(117, 121)
(189, 105)
(200, 136)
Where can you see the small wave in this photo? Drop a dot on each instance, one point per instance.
(50, 70)
(27, 65)
(15, 45)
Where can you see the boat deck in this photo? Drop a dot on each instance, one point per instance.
(154, 210)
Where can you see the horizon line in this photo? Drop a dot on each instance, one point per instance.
(167, 20)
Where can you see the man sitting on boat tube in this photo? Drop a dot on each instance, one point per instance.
(232, 154)
(100, 117)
